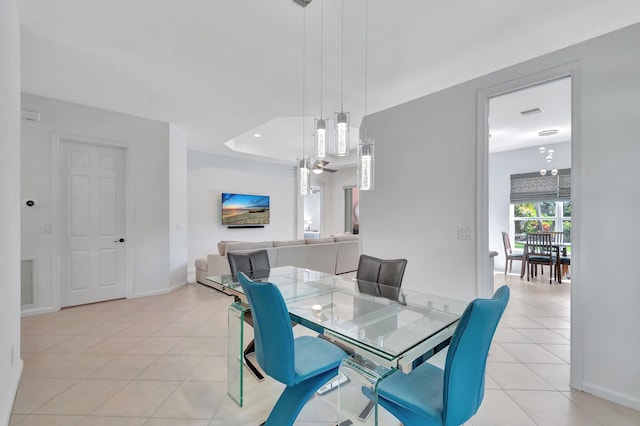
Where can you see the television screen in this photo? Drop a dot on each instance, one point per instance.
(245, 209)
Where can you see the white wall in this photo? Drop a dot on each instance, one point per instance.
(178, 206)
(426, 187)
(10, 362)
(501, 166)
(210, 175)
(148, 238)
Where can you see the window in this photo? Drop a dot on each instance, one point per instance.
(543, 216)
(540, 203)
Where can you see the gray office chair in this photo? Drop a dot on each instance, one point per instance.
(255, 265)
(388, 273)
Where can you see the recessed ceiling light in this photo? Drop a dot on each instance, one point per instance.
(531, 111)
(257, 135)
(549, 132)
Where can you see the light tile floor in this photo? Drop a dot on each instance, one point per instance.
(161, 360)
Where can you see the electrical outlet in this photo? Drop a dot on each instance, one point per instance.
(464, 232)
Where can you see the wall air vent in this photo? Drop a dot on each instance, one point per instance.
(29, 115)
(27, 282)
(531, 111)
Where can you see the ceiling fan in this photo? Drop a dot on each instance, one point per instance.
(319, 167)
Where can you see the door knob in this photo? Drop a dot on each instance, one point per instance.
(121, 240)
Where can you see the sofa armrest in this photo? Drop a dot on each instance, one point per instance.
(217, 265)
(348, 256)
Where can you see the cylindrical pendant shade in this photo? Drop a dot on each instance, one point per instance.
(341, 139)
(321, 138)
(303, 175)
(366, 165)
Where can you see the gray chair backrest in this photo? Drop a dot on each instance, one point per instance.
(386, 272)
(254, 264)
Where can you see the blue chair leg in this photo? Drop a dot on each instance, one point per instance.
(293, 398)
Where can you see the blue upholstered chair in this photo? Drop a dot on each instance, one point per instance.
(432, 396)
(303, 364)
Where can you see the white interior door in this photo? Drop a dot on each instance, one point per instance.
(92, 223)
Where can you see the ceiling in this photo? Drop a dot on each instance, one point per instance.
(222, 71)
(510, 129)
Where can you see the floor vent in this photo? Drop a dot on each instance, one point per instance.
(27, 282)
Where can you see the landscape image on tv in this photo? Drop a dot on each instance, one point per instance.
(244, 209)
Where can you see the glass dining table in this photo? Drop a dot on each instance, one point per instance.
(385, 329)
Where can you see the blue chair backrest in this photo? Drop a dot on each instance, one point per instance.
(467, 357)
(272, 329)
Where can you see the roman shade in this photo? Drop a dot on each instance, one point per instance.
(533, 187)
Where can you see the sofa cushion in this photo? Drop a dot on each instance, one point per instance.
(288, 243)
(348, 237)
(222, 246)
(241, 245)
(319, 240)
(319, 257)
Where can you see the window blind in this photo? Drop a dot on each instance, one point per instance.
(533, 187)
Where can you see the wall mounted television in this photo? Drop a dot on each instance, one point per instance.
(245, 210)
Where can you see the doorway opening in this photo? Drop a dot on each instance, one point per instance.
(525, 182)
(529, 168)
(313, 212)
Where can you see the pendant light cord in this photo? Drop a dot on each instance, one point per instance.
(321, 53)
(366, 64)
(342, 59)
(304, 34)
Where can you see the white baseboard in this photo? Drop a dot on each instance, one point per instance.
(626, 400)
(27, 312)
(13, 390)
(159, 292)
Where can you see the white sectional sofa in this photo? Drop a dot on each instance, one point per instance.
(334, 255)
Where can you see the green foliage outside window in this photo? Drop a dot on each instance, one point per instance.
(540, 211)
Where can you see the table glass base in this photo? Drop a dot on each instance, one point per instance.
(235, 353)
(358, 374)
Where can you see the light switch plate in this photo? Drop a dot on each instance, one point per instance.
(464, 232)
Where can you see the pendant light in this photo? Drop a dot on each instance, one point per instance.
(341, 139)
(303, 163)
(366, 147)
(321, 123)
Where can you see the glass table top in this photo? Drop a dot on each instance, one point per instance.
(384, 320)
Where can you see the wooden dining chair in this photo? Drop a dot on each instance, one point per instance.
(557, 238)
(509, 254)
(564, 259)
(540, 251)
